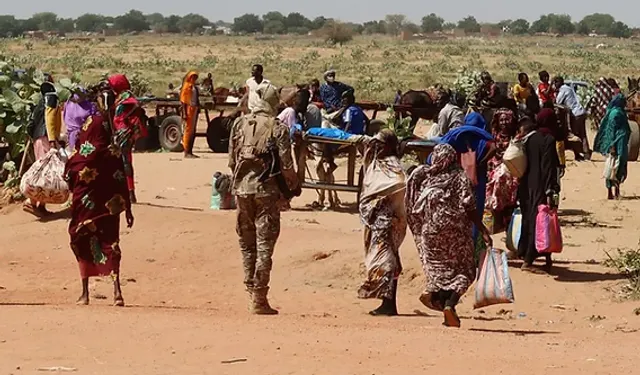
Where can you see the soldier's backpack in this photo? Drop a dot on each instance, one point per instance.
(256, 134)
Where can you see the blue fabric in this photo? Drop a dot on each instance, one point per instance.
(297, 128)
(331, 95)
(355, 118)
(329, 133)
(472, 136)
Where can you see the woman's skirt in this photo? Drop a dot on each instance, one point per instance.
(385, 228)
(97, 247)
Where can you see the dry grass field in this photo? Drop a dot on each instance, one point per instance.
(375, 66)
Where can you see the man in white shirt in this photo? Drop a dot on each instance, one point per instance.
(251, 98)
(567, 97)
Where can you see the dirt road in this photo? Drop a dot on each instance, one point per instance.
(187, 314)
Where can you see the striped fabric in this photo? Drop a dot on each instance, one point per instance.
(604, 92)
(493, 286)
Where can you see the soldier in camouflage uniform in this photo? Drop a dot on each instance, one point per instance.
(258, 215)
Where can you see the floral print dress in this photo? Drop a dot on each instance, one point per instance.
(95, 174)
(438, 200)
(502, 188)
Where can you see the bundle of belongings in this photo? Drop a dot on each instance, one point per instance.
(221, 197)
(44, 181)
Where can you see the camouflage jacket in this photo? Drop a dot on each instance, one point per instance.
(247, 170)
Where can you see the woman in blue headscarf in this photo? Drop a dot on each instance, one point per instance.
(472, 137)
(612, 141)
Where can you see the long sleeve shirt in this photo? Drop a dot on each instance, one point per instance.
(568, 98)
(331, 95)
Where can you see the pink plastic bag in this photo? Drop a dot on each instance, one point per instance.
(469, 164)
(548, 234)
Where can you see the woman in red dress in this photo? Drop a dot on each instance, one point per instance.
(128, 120)
(96, 176)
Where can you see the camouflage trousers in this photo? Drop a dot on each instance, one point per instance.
(258, 226)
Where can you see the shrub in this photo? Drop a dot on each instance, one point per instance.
(338, 33)
(627, 262)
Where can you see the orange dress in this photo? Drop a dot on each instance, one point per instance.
(189, 98)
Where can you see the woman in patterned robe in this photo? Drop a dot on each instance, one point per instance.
(441, 211)
(96, 176)
(383, 215)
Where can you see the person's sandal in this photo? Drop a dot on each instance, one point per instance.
(431, 303)
(451, 319)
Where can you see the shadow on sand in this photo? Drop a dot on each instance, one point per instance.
(514, 332)
(345, 208)
(567, 275)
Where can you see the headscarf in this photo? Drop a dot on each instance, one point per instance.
(119, 83)
(384, 144)
(443, 158)
(127, 119)
(186, 92)
(268, 99)
(470, 135)
(614, 127)
(76, 112)
(475, 119)
(547, 122)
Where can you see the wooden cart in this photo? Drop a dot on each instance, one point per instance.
(165, 125)
(421, 147)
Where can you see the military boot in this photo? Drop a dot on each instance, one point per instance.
(260, 305)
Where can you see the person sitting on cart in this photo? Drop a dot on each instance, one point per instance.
(331, 92)
(354, 120)
(314, 90)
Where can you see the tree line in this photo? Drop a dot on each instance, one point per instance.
(275, 23)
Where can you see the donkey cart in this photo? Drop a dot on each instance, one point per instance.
(166, 130)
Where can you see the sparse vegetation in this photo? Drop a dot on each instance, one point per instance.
(627, 262)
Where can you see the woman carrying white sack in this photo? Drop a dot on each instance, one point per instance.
(44, 129)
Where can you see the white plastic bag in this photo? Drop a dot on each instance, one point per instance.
(611, 165)
(494, 285)
(44, 181)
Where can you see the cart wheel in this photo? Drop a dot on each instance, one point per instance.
(374, 127)
(634, 141)
(170, 134)
(218, 135)
(151, 142)
(360, 181)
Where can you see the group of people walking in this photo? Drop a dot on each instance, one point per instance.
(441, 201)
(444, 199)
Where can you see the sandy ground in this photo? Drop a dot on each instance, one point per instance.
(187, 312)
